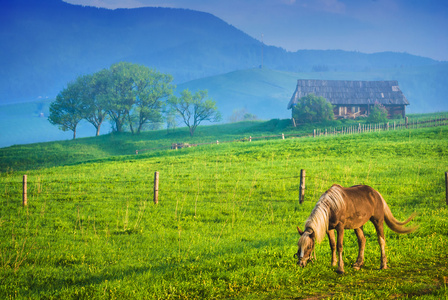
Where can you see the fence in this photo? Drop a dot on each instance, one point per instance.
(393, 125)
(338, 130)
(301, 199)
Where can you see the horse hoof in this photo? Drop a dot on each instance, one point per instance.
(357, 266)
(340, 272)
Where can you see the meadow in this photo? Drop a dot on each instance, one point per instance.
(225, 225)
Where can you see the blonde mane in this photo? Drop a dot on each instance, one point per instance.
(319, 217)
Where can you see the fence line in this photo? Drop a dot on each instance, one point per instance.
(342, 130)
(302, 188)
(183, 180)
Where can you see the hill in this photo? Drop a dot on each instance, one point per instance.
(262, 92)
(154, 143)
(225, 224)
(45, 44)
(266, 93)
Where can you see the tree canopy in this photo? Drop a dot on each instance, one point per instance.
(130, 95)
(378, 114)
(195, 108)
(311, 109)
(67, 110)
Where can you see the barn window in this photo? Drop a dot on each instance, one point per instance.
(355, 109)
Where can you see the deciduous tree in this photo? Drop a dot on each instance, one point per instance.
(66, 111)
(311, 109)
(150, 88)
(195, 108)
(120, 95)
(94, 103)
(378, 114)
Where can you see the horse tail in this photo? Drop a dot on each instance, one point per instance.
(394, 224)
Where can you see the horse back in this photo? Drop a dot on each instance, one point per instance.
(361, 203)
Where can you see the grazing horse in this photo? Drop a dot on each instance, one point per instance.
(341, 208)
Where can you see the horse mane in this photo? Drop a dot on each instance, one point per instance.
(318, 220)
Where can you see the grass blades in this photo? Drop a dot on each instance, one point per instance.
(225, 223)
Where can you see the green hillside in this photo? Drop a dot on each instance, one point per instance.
(266, 93)
(262, 92)
(50, 154)
(225, 225)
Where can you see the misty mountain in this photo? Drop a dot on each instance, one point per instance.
(45, 44)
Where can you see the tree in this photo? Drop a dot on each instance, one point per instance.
(311, 109)
(193, 109)
(150, 87)
(94, 105)
(378, 114)
(120, 95)
(135, 95)
(242, 114)
(66, 111)
(129, 94)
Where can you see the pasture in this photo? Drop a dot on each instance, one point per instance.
(225, 225)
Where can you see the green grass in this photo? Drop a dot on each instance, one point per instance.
(225, 223)
(69, 152)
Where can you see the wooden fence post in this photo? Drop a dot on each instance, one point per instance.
(302, 186)
(24, 194)
(156, 187)
(446, 187)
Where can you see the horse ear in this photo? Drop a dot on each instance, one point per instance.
(312, 234)
(299, 230)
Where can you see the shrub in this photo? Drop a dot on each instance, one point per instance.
(378, 114)
(311, 109)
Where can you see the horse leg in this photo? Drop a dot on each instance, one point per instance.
(381, 240)
(332, 240)
(340, 240)
(361, 244)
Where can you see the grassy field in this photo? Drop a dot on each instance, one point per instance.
(225, 223)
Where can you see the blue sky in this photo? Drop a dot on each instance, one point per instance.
(417, 27)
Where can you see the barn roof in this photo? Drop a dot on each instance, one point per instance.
(343, 92)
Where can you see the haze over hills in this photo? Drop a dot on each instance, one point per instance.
(45, 44)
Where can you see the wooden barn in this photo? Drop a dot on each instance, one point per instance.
(352, 99)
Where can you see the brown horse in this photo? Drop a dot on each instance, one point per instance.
(347, 208)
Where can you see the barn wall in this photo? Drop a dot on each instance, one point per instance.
(345, 111)
(393, 110)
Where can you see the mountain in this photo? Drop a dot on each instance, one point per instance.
(45, 44)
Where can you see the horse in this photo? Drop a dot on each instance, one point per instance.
(341, 208)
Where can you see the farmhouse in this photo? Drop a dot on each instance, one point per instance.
(351, 99)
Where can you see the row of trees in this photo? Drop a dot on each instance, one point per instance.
(132, 97)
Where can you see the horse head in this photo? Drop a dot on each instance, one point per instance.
(306, 246)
